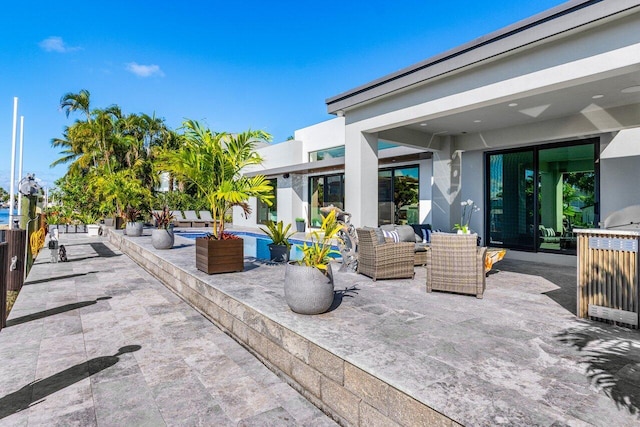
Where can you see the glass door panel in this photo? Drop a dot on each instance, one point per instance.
(316, 188)
(566, 189)
(385, 197)
(405, 195)
(511, 199)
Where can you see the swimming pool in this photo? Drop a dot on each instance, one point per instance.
(256, 245)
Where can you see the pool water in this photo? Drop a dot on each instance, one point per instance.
(256, 245)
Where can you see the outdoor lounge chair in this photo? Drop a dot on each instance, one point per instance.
(455, 263)
(195, 221)
(179, 220)
(207, 218)
(383, 260)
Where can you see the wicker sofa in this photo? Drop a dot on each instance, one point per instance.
(456, 264)
(383, 260)
(416, 233)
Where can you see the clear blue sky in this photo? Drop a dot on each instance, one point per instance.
(235, 65)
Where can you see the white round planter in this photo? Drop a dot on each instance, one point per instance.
(162, 238)
(307, 290)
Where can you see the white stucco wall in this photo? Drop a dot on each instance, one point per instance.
(326, 134)
(620, 172)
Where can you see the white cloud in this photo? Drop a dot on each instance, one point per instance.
(144, 70)
(56, 44)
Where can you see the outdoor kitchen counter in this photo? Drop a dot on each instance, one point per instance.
(608, 275)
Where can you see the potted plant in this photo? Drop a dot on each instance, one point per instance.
(212, 163)
(134, 224)
(308, 283)
(468, 208)
(279, 235)
(91, 224)
(300, 225)
(162, 236)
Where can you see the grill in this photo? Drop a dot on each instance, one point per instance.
(608, 267)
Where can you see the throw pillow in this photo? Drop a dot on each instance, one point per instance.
(392, 234)
(425, 235)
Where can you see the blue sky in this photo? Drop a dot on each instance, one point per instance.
(234, 65)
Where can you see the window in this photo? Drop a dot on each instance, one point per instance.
(324, 190)
(537, 196)
(327, 153)
(269, 213)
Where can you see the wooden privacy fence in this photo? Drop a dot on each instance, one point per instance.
(608, 276)
(4, 249)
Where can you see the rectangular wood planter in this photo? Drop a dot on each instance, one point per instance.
(219, 256)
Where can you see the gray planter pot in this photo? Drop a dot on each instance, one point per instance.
(134, 229)
(278, 253)
(162, 239)
(300, 226)
(307, 290)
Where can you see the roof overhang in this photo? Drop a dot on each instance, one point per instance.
(541, 27)
(334, 164)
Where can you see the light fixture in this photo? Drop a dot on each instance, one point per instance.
(513, 104)
(423, 124)
(631, 89)
(597, 96)
(477, 121)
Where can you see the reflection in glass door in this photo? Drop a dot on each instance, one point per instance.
(558, 183)
(398, 195)
(566, 195)
(324, 190)
(511, 188)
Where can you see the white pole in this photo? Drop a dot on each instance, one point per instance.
(20, 164)
(13, 161)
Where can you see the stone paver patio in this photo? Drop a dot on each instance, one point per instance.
(107, 344)
(98, 341)
(517, 357)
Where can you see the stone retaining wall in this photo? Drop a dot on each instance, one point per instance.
(345, 392)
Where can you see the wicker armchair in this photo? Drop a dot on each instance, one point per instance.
(383, 260)
(456, 264)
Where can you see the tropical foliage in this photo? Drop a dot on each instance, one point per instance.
(104, 149)
(278, 233)
(212, 162)
(318, 253)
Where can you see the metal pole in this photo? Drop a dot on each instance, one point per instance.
(20, 164)
(13, 161)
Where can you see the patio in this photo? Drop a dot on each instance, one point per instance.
(389, 352)
(517, 357)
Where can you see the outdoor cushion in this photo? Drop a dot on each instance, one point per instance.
(423, 232)
(406, 234)
(378, 231)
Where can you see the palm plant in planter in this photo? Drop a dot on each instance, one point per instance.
(162, 236)
(279, 235)
(308, 283)
(212, 162)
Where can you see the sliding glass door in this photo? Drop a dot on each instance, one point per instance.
(325, 190)
(537, 196)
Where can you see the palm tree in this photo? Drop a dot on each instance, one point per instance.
(77, 102)
(213, 162)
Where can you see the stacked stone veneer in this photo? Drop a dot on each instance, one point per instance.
(348, 394)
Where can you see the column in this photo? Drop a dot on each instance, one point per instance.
(361, 176)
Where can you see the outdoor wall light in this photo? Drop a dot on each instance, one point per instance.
(285, 176)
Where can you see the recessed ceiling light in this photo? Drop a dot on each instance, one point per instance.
(597, 96)
(477, 121)
(423, 124)
(631, 89)
(463, 132)
(513, 104)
